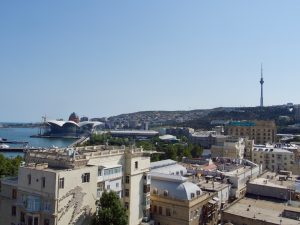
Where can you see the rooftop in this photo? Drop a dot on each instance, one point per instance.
(262, 210)
(212, 185)
(173, 186)
(273, 179)
(70, 158)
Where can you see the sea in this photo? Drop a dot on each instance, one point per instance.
(23, 134)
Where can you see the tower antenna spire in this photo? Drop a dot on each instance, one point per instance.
(261, 86)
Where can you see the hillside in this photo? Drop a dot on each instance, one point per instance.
(282, 114)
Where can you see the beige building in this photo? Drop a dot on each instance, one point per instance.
(261, 132)
(232, 148)
(61, 186)
(273, 158)
(175, 201)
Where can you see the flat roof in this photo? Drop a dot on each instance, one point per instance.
(273, 178)
(215, 186)
(262, 210)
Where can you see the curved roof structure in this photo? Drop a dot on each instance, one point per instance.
(61, 123)
(176, 186)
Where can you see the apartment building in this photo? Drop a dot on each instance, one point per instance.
(261, 131)
(61, 186)
(272, 157)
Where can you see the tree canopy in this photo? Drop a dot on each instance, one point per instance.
(174, 151)
(9, 167)
(110, 210)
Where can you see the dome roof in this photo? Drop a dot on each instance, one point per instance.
(74, 117)
(177, 186)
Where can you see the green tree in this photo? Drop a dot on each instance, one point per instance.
(9, 167)
(110, 211)
(196, 151)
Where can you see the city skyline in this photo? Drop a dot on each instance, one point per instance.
(108, 58)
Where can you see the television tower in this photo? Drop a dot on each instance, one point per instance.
(261, 87)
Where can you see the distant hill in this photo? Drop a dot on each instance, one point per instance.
(282, 114)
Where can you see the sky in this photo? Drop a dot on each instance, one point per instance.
(104, 58)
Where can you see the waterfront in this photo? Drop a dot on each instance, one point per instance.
(23, 134)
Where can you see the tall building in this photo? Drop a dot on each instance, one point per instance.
(261, 131)
(261, 87)
(60, 187)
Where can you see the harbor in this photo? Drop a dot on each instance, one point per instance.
(17, 140)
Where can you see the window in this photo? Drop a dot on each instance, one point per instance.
(43, 182)
(14, 194)
(108, 187)
(46, 221)
(154, 208)
(136, 164)
(146, 188)
(160, 210)
(29, 178)
(192, 195)
(22, 217)
(36, 221)
(100, 186)
(168, 212)
(127, 179)
(30, 220)
(166, 193)
(99, 172)
(117, 184)
(13, 211)
(127, 205)
(198, 192)
(85, 177)
(47, 206)
(61, 183)
(126, 192)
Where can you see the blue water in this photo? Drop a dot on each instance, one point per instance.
(23, 134)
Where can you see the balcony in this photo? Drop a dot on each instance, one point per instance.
(32, 204)
(112, 173)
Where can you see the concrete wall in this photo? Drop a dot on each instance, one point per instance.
(76, 201)
(268, 191)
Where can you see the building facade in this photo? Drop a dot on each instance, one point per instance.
(273, 158)
(176, 201)
(261, 132)
(60, 187)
